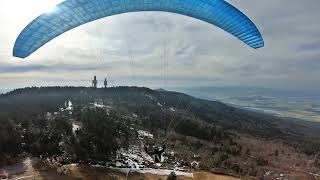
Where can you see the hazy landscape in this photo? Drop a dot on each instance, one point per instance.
(300, 104)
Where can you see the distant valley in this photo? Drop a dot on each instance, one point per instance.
(284, 103)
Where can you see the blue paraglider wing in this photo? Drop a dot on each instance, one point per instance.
(73, 13)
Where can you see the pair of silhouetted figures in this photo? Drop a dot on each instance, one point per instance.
(156, 152)
(95, 82)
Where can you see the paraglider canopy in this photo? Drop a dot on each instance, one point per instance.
(73, 13)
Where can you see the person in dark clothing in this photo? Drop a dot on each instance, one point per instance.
(156, 152)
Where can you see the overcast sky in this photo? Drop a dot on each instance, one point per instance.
(161, 49)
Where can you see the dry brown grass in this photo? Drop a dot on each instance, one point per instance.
(288, 161)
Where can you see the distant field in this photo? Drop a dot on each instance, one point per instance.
(285, 103)
(299, 108)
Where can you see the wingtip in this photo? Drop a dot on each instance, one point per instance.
(19, 56)
(19, 53)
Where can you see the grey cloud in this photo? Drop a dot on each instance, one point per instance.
(311, 46)
(48, 68)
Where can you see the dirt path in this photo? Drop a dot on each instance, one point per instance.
(32, 169)
(210, 176)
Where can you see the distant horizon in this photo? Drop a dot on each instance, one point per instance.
(170, 88)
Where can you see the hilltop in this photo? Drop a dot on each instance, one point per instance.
(48, 99)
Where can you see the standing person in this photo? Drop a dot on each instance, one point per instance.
(105, 83)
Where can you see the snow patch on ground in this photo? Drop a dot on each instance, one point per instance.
(133, 157)
(150, 97)
(75, 127)
(315, 175)
(143, 134)
(98, 105)
(154, 100)
(69, 106)
(267, 173)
